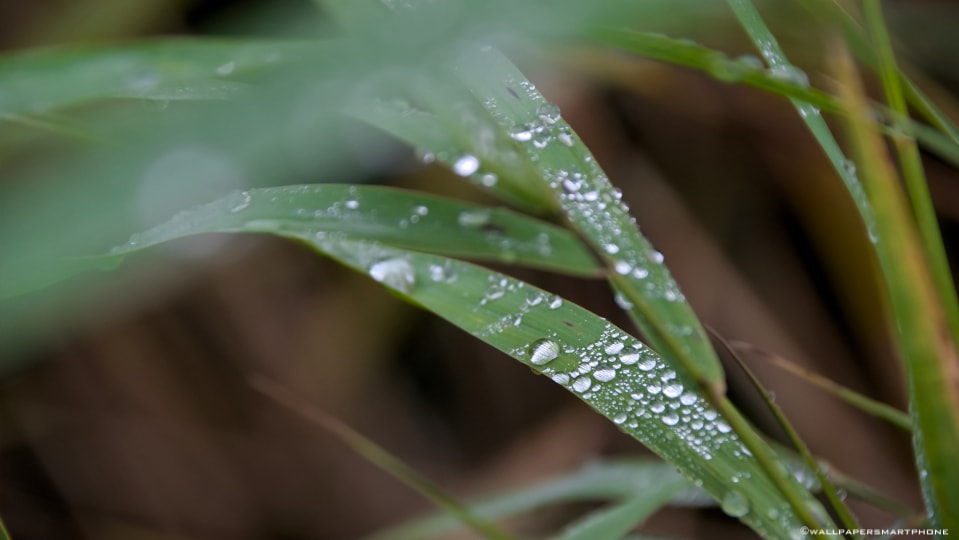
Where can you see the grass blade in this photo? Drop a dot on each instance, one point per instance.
(615, 481)
(912, 172)
(390, 216)
(617, 520)
(375, 455)
(607, 368)
(921, 329)
(864, 403)
(32, 82)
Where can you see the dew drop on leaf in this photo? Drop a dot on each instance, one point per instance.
(543, 351)
(734, 504)
(466, 165)
(396, 273)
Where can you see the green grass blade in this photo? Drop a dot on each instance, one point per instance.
(594, 208)
(865, 404)
(393, 217)
(42, 80)
(607, 368)
(605, 481)
(376, 455)
(912, 171)
(929, 355)
(617, 520)
(845, 515)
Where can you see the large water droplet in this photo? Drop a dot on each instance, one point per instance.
(671, 419)
(396, 273)
(473, 218)
(648, 364)
(548, 113)
(521, 133)
(466, 165)
(630, 358)
(614, 347)
(734, 504)
(543, 351)
(605, 375)
(673, 390)
(582, 384)
(242, 202)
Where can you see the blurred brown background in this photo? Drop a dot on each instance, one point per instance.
(144, 427)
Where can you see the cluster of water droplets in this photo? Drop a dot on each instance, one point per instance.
(544, 129)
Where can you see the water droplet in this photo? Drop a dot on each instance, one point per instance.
(352, 204)
(543, 351)
(521, 133)
(466, 165)
(614, 347)
(489, 179)
(561, 378)
(622, 301)
(640, 273)
(734, 504)
(789, 74)
(723, 427)
(548, 113)
(654, 389)
(850, 167)
(671, 419)
(582, 384)
(622, 267)
(612, 249)
(605, 375)
(226, 69)
(555, 302)
(688, 398)
(648, 364)
(242, 202)
(673, 390)
(421, 210)
(629, 358)
(657, 407)
(396, 273)
(619, 419)
(565, 138)
(473, 218)
(656, 256)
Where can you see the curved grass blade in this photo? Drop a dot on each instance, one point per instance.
(635, 269)
(390, 216)
(618, 480)
(864, 403)
(376, 455)
(929, 355)
(609, 369)
(42, 80)
(618, 519)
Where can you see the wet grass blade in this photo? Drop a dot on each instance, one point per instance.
(611, 481)
(920, 326)
(593, 207)
(393, 217)
(601, 364)
(33, 82)
(376, 455)
(865, 404)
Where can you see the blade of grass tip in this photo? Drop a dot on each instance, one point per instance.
(618, 519)
(918, 323)
(910, 162)
(4, 535)
(769, 48)
(374, 454)
(846, 516)
(864, 403)
(596, 481)
(594, 208)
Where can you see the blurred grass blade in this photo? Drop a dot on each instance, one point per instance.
(840, 508)
(376, 455)
(614, 481)
(920, 327)
(912, 171)
(864, 403)
(594, 208)
(33, 82)
(617, 520)
(390, 216)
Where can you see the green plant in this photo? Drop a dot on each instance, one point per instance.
(434, 76)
